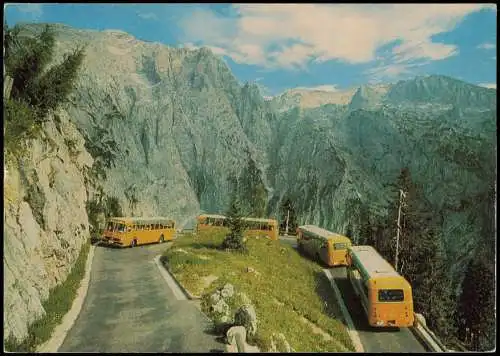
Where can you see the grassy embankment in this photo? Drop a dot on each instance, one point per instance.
(288, 291)
(56, 306)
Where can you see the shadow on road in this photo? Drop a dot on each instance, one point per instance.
(324, 290)
(305, 255)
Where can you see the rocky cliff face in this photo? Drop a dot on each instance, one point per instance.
(333, 159)
(168, 126)
(45, 220)
(311, 98)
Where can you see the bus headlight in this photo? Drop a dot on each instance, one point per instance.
(379, 323)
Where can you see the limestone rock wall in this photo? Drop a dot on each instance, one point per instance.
(45, 220)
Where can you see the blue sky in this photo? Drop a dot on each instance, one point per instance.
(282, 46)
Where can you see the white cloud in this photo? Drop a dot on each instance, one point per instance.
(147, 15)
(390, 72)
(488, 85)
(487, 46)
(291, 35)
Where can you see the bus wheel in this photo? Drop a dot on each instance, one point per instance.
(133, 243)
(162, 239)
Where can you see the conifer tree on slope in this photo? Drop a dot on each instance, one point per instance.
(477, 304)
(421, 254)
(252, 190)
(234, 239)
(34, 88)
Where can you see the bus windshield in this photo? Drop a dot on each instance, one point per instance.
(340, 246)
(390, 295)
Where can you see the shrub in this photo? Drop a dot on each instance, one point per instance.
(20, 124)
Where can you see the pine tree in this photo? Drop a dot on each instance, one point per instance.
(433, 295)
(367, 228)
(234, 239)
(35, 90)
(26, 58)
(52, 88)
(477, 303)
(252, 190)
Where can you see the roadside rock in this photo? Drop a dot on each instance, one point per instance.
(221, 312)
(227, 291)
(246, 316)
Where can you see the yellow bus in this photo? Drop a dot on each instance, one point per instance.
(211, 222)
(131, 231)
(323, 245)
(261, 227)
(253, 226)
(386, 296)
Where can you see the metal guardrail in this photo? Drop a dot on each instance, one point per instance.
(428, 338)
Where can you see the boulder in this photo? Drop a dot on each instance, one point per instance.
(215, 297)
(221, 312)
(246, 316)
(236, 336)
(227, 291)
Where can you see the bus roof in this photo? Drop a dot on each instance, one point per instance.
(372, 262)
(259, 220)
(246, 219)
(324, 233)
(212, 216)
(151, 220)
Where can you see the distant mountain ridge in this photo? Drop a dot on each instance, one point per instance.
(421, 90)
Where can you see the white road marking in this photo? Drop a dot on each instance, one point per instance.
(350, 326)
(179, 295)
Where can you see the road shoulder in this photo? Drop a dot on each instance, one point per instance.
(347, 317)
(60, 332)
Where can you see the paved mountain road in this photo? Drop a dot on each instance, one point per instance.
(130, 308)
